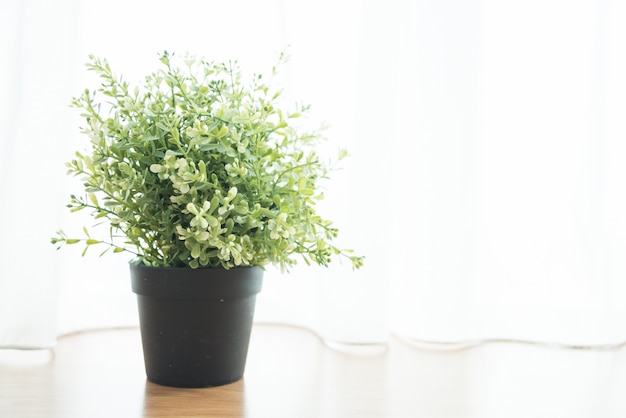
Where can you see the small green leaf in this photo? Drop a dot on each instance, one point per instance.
(223, 131)
(215, 203)
(242, 208)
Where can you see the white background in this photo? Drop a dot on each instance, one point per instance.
(485, 185)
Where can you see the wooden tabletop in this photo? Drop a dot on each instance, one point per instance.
(292, 374)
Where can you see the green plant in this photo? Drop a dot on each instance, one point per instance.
(197, 168)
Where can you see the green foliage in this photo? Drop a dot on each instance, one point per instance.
(197, 168)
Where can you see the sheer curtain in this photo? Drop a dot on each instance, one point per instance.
(510, 136)
(485, 184)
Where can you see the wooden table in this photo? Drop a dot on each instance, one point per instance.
(292, 374)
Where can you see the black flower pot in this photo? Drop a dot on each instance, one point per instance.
(195, 323)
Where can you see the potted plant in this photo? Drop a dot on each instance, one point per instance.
(204, 179)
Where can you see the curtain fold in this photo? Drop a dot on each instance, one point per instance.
(37, 69)
(516, 119)
(485, 184)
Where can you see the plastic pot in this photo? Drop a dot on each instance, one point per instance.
(195, 323)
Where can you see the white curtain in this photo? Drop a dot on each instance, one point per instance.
(511, 139)
(485, 184)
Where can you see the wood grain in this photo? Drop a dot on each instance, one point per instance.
(292, 374)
